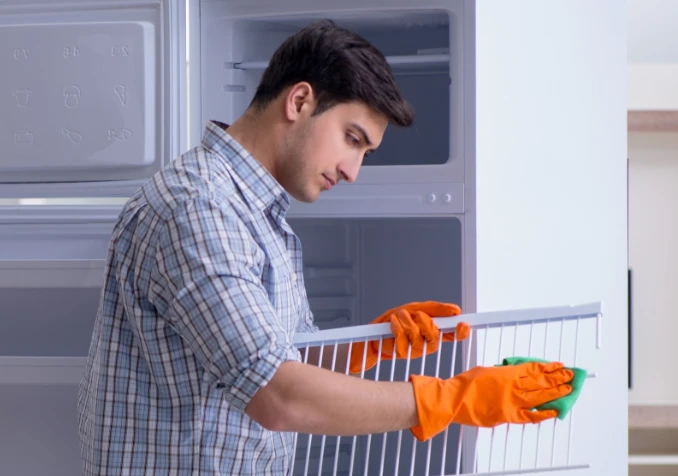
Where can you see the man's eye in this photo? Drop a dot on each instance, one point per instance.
(353, 139)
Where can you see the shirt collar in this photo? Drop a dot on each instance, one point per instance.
(257, 184)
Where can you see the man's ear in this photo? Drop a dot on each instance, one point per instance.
(299, 101)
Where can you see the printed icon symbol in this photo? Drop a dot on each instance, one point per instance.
(21, 96)
(72, 96)
(119, 50)
(71, 51)
(20, 53)
(23, 137)
(72, 135)
(121, 91)
(124, 135)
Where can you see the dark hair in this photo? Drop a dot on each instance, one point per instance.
(340, 66)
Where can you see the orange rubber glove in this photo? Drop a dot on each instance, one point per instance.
(410, 323)
(488, 396)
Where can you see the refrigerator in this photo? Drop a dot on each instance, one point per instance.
(508, 192)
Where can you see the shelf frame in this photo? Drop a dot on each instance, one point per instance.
(437, 62)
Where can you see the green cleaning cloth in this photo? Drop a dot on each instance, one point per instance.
(563, 404)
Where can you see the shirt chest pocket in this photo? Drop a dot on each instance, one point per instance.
(285, 296)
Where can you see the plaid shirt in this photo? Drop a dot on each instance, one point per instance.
(202, 296)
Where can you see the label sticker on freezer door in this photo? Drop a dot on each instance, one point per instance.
(78, 97)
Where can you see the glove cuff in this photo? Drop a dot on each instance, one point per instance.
(427, 397)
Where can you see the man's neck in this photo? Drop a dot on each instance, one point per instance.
(259, 136)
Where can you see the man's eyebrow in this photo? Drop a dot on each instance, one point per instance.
(363, 132)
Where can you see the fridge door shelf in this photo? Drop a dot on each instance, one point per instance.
(53, 246)
(82, 215)
(52, 273)
(56, 233)
(41, 370)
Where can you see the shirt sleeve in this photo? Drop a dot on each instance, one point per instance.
(307, 324)
(216, 302)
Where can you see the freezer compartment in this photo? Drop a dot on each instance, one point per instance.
(39, 430)
(417, 44)
(355, 269)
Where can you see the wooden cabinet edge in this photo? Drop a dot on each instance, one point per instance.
(653, 416)
(652, 121)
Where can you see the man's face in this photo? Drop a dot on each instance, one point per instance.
(324, 149)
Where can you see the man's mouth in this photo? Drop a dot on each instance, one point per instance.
(329, 183)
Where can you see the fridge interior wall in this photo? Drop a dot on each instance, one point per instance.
(355, 269)
(228, 45)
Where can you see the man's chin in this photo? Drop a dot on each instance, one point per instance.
(305, 197)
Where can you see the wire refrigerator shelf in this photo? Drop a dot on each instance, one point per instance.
(553, 334)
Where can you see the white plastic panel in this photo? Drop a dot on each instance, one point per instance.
(92, 116)
(423, 45)
(35, 235)
(561, 235)
(385, 200)
(90, 93)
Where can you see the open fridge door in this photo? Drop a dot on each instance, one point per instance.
(92, 103)
(92, 95)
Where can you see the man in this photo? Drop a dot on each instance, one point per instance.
(191, 368)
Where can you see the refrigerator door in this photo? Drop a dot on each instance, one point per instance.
(92, 103)
(91, 95)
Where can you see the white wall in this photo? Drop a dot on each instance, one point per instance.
(652, 31)
(653, 54)
(653, 247)
(653, 86)
(551, 184)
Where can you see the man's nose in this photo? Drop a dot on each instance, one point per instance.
(349, 172)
